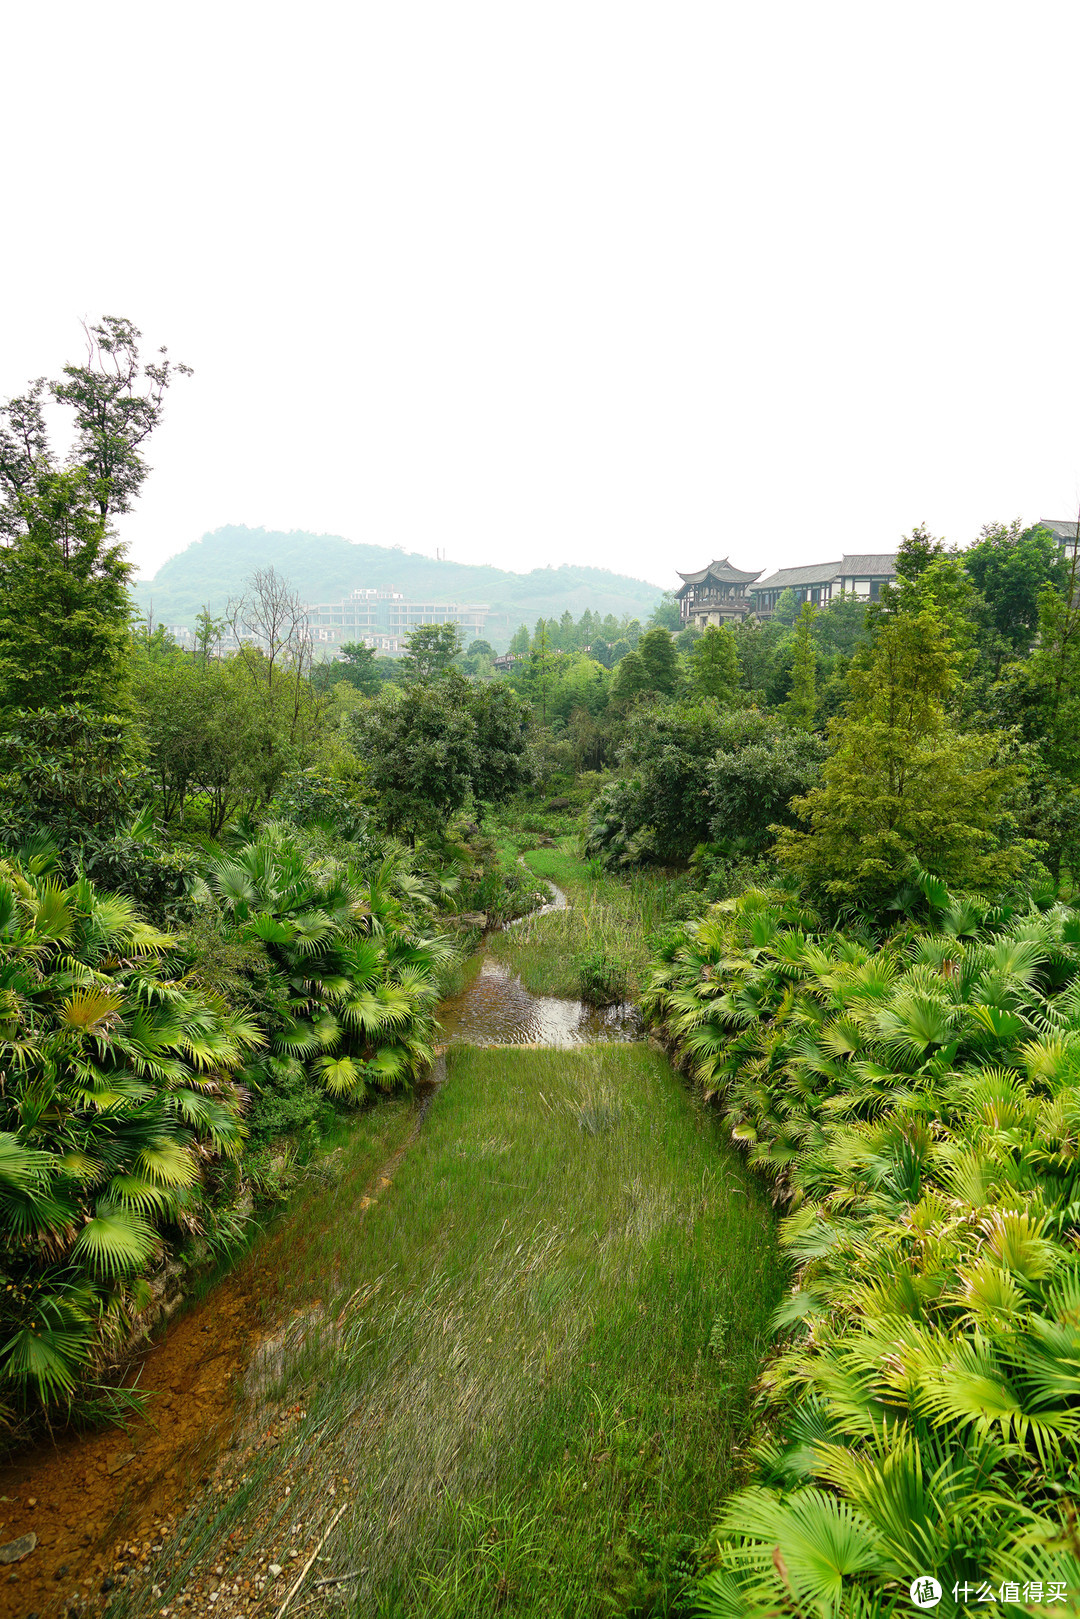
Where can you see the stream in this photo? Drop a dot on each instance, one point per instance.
(495, 1009)
(193, 1371)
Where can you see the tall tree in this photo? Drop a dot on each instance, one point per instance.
(801, 706)
(431, 649)
(1011, 567)
(64, 606)
(902, 785)
(63, 601)
(714, 664)
(659, 660)
(117, 403)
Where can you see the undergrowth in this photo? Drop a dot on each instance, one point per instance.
(570, 1274)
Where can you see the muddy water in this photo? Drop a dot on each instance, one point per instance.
(495, 1009)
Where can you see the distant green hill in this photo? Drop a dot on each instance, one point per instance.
(326, 567)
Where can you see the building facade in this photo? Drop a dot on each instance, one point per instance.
(722, 594)
(861, 575)
(1066, 530)
(383, 618)
(717, 594)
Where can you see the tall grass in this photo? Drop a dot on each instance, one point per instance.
(610, 917)
(524, 1373)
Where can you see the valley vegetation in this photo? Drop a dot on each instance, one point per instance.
(834, 857)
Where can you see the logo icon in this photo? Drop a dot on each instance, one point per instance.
(925, 1591)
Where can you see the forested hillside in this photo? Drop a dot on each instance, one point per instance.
(326, 567)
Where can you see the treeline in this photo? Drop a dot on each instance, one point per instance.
(229, 896)
(884, 1005)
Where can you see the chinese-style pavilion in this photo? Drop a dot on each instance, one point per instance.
(715, 595)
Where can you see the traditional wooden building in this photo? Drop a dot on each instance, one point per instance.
(860, 575)
(715, 595)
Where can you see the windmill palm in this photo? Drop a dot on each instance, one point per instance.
(917, 1109)
(118, 1086)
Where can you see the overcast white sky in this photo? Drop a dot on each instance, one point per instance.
(576, 280)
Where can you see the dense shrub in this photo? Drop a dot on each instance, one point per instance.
(117, 1094)
(916, 1108)
(684, 780)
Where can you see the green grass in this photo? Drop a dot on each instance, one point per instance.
(527, 1375)
(610, 916)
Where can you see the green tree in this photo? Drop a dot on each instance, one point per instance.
(631, 678)
(753, 780)
(501, 764)
(519, 641)
(203, 729)
(841, 626)
(801, 706)
(68, 773)
(659, 808)
(787, 608)
(419, 744)
(1047, 687)
(1011, 567)
(269, 624)
(431, 744)
(660, 661)
(714, 664)
(666, 615)
(902, 786)
(117, 403)
(431, 649)
(358, 666)
(209, 634)
(64, 606)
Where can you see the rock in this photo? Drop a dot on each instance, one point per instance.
(473, 919)
(555, 806)
(274, 1570)
(16, 1550)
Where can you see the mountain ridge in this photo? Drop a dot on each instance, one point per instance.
(326, 567)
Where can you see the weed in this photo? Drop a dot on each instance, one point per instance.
(509, 1352)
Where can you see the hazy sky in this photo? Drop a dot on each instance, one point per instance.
(621, 283)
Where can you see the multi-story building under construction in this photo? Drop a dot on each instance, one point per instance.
(383, 618)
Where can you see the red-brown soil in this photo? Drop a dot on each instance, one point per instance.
(87, 1497)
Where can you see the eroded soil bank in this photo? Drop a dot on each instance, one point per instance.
(89, 1496)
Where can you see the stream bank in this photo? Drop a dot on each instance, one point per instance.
(512, 1368)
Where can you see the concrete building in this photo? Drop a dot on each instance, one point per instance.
(383, 618)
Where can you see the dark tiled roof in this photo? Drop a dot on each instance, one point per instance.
(879, 566)
(722, 572)
(1066, 529)
(819, 573)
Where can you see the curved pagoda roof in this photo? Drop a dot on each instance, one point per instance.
(719, 573)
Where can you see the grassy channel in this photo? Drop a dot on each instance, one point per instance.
(524, 1383)
(608, 916)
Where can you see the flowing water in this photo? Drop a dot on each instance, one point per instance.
(495, 1009)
